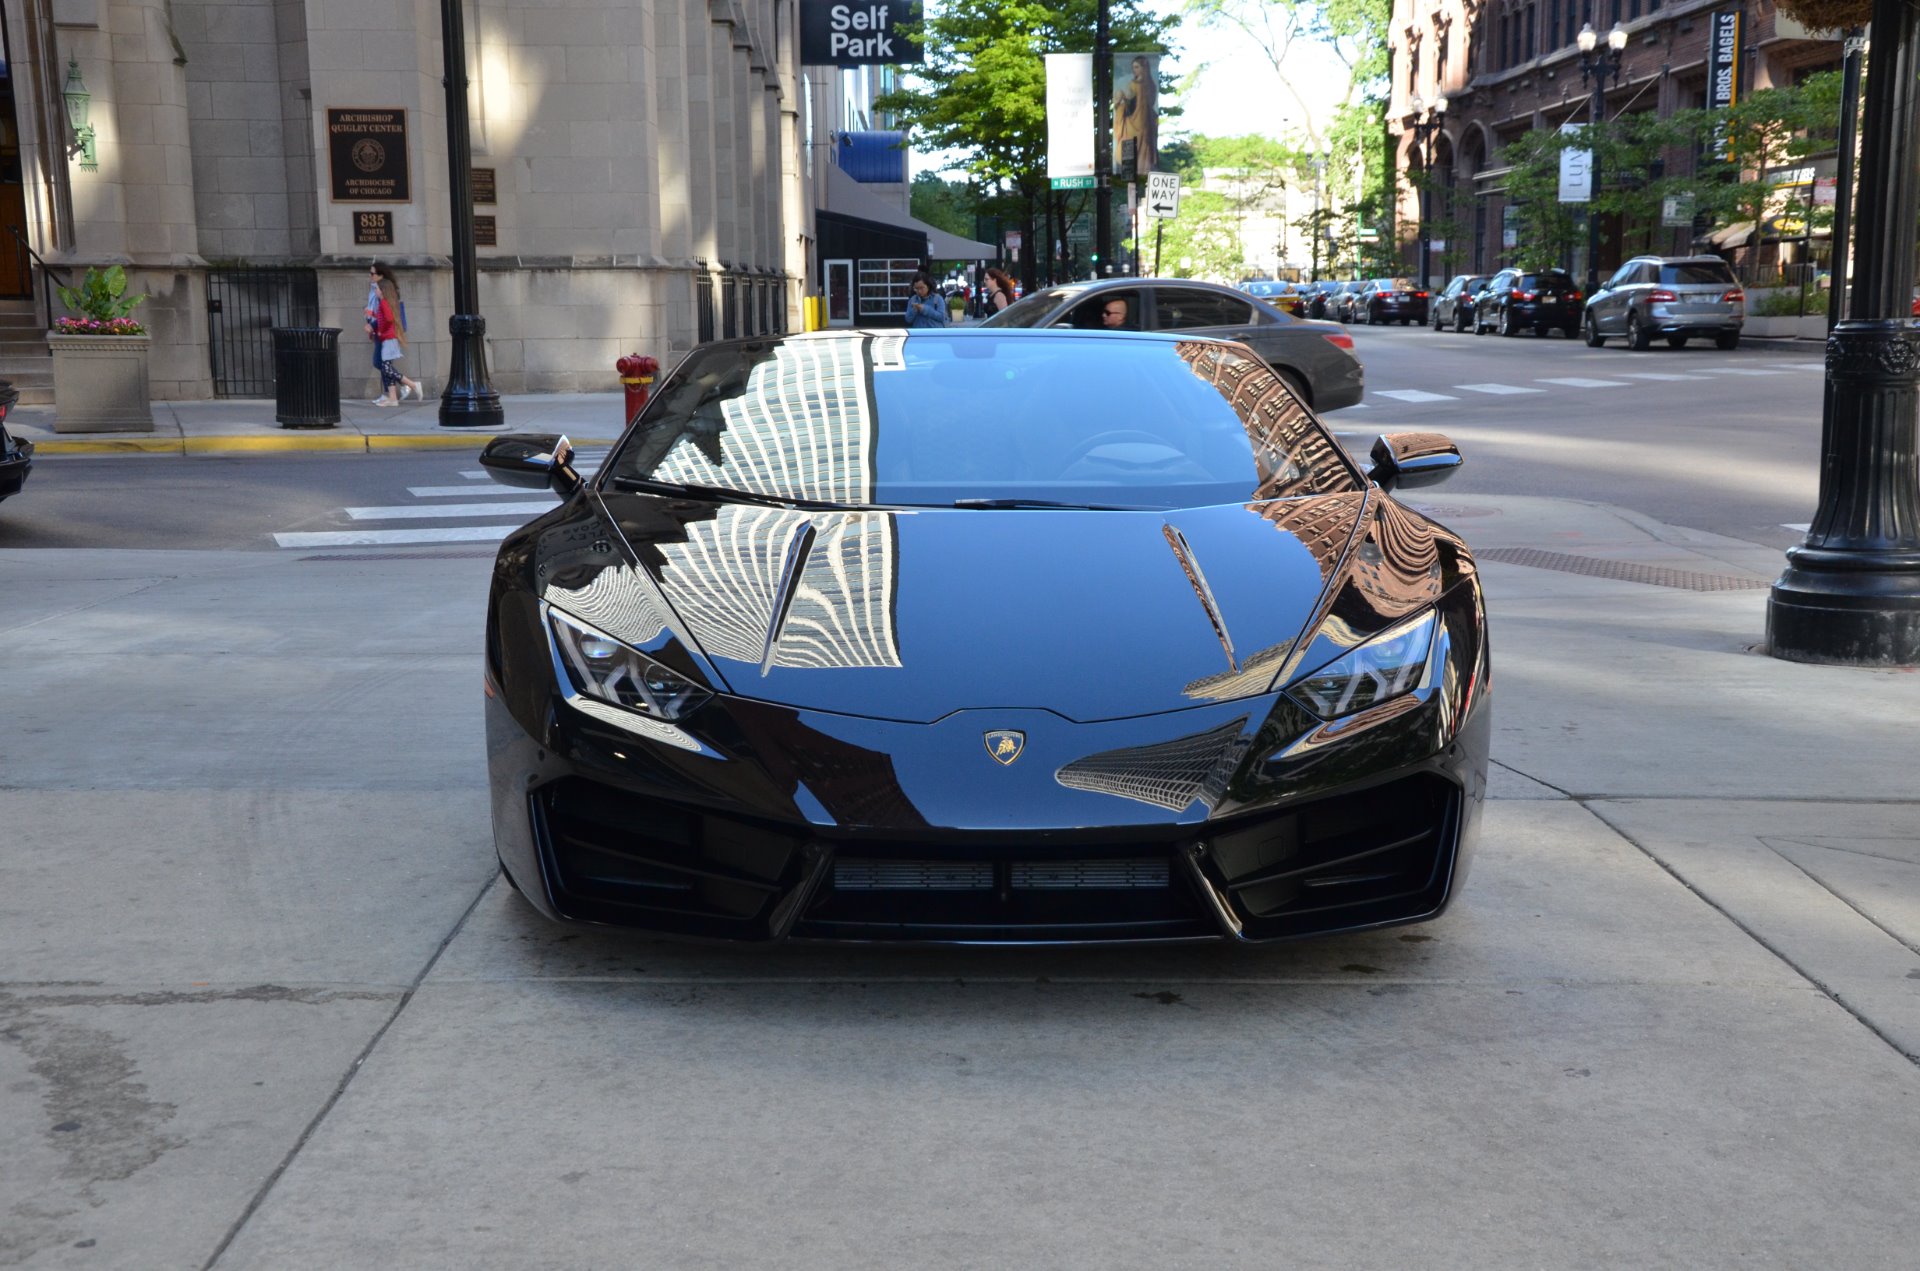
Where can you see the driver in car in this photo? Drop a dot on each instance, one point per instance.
(1114, 314)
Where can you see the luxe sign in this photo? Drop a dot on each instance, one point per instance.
(858, 32)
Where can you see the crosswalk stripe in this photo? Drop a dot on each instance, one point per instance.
(1574, 381)
(1797, 529)
(1656, 375)
(379, 538)
(1498, 390)
(1413, 395)
(421, 511)
(1739, 370)
(460, 491)
(472, 475)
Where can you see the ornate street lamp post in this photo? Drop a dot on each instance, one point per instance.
(1426, 123)
(1851, 591)
(468, 401)
(1596, 64)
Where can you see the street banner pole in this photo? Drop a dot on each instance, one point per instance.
(1103, 136)
(469, 399)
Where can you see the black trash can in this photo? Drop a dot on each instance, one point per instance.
(306, 370)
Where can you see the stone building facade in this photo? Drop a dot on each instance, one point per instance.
(1509, 67)
(640, 174)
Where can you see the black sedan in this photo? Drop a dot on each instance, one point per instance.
(1315, 358)
(1389, 300)
(1453, 307)
(984, 636)
(1539, 301)
(16, 456)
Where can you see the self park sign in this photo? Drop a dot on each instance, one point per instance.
(858, 32)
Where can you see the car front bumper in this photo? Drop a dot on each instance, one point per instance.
(781, 824)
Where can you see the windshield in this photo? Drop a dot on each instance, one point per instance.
(1032, 310)
(972, 419)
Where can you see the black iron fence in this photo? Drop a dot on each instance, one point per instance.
(243, 308)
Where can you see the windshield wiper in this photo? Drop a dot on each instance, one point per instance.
(999, 504)
(715, 493)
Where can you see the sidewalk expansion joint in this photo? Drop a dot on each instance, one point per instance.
(1826, 990)
(1623, 571)
(272, 1180)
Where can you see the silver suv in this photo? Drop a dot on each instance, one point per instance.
(1675, 296)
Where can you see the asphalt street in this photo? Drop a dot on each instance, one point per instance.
(266, 1003)
(1723, 442)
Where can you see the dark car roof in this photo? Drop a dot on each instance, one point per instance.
(1077, 290)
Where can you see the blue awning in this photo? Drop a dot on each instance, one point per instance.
(874, 158)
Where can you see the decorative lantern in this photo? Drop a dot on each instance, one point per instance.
(79, 108)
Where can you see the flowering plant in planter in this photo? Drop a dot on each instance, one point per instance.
(103, 304)
(97, 326)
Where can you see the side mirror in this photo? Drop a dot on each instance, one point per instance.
(1408, 460)
(532, 462)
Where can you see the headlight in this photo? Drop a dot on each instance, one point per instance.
(1392, 663)
(602, 667)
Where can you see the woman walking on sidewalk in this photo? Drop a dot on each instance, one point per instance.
(390, 329)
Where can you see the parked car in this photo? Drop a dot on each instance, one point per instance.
(1384, 300)
(1315, 358)
(16, 456)
(991, 696)
(1536, 300)
(1678, 297)
(1284, 296)
(1340, 305)
(1317, 294)
(1453, 307)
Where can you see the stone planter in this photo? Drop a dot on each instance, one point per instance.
(1775, 328)
(100, 383)
(1811, 328)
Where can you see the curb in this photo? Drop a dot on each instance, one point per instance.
(318, 443)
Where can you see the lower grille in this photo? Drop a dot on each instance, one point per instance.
(980, 895)
(913, 876)
(617, 858)
(1093, 875)
(1374, 856)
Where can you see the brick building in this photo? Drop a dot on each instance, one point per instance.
(1508, 67)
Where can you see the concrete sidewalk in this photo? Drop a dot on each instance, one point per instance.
(264, 1002)
(240, 427)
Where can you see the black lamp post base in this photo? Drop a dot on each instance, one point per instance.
(469, 400)
(1860, 619)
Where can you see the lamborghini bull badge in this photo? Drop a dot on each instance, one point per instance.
(1005, 745)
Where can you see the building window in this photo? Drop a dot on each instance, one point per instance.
(1526, 41)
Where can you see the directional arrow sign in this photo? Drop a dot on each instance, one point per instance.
(1163, 195)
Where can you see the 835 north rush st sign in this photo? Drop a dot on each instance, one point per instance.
(367, 150)
(858, 32)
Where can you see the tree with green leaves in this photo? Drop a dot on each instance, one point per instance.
(982, 89)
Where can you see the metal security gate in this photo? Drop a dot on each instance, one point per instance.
(243, 308)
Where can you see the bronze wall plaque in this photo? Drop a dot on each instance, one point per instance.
(373, 228)
(367, 151)
(486, 232)
(485, 187)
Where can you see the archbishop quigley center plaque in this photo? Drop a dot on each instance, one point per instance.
(367, 147)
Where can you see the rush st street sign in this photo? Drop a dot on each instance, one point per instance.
(858, 32)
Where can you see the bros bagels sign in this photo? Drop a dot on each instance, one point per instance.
(858, 32)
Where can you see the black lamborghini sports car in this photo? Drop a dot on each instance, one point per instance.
(984, 636)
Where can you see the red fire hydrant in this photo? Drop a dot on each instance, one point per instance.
(636, 376)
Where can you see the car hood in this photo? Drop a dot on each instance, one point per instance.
(912, 615)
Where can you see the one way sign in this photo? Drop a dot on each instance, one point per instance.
(1163, 195)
